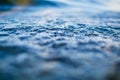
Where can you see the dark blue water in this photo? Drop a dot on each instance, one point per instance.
(60, 40)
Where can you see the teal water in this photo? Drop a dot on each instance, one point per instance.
(60, 40)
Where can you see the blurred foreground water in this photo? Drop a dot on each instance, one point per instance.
(60, 40)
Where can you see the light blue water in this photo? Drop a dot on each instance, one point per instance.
(60, 40)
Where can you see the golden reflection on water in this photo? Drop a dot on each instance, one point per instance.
(15, 2)
(21, 2)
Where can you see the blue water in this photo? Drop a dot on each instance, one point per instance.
(60, 40)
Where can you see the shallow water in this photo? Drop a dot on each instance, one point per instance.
(60, 40)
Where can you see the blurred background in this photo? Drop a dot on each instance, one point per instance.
(104, 4)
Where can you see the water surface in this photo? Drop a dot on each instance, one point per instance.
(60, 40)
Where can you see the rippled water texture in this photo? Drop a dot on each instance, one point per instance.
(60, 40)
